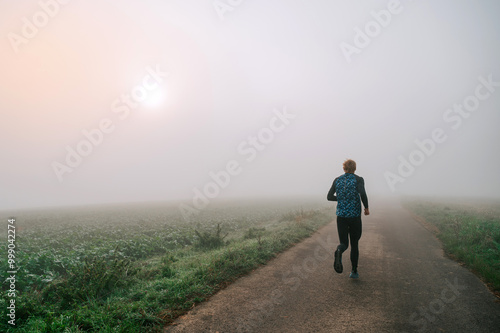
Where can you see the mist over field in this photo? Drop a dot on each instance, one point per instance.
(196, 101)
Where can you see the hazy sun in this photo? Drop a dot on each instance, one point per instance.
(157, 100)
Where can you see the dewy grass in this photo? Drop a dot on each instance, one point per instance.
(137, 277)
(470, 233)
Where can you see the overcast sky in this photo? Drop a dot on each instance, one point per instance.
(118, 101)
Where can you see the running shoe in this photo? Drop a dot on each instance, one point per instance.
(354, 275)
(337, 264)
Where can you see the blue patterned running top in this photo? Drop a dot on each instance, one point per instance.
(348, 201)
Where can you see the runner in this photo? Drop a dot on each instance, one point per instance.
(349, 188)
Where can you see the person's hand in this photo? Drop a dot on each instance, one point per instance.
(367, 211)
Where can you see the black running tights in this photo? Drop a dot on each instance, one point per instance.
(349, 227)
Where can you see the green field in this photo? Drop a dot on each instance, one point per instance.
(469, 231)
(134, 268)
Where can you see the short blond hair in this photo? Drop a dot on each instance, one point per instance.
(349, 166)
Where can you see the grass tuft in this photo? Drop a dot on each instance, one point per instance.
(210, 240)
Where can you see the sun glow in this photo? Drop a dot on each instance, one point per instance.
(157, 100)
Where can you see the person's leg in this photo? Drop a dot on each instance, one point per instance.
(343, 230)
(355, 230)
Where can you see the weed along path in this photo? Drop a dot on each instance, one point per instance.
(406, 285)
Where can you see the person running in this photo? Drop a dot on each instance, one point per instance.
(349, 188)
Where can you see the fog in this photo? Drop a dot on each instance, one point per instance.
(128, 101)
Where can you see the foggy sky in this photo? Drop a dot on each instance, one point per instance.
(276, 93)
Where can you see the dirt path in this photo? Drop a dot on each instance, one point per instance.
(405, 285)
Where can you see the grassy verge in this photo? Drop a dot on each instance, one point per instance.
(470, 233)
(140, 281)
